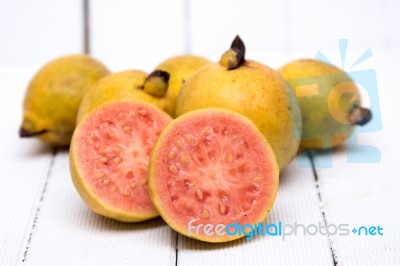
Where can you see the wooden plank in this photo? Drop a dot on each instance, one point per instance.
(87, 237)
(297, 199)
(69, 233)
(362, 195)
(296, 202)
(366, 194)
(31, 35)
(133, 35)
(23, 165)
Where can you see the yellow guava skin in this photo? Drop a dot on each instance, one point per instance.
(54, 94)
(254, 90)
(126, 84)
(326, 95)
(180, 68)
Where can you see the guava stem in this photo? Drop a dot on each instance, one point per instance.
(156, 84)
(234, 57)
(360, 116)
(25, 133)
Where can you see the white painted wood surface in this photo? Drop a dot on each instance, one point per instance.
(44, 222)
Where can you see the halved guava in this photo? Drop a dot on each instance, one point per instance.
(212, 166)
(109, 158)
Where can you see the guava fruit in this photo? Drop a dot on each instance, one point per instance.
(330, 102)
(212, 166)
(252, 89)
(109, 157)
(53, 97)
(133, 84)
(180, 68)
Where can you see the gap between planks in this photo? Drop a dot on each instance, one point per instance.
(321, 207)
(86, 50)
(38, 207)
(86, 26)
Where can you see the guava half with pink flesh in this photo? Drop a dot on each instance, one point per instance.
(212, 166)
(109, 157)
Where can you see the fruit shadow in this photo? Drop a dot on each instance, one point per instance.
(35, 150)
(183, 241)
(114, 225)
(317, 158)
(187, 243)
(145, 228)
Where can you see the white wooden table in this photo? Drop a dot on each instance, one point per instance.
(44, 222)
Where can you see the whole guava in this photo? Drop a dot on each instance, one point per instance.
(54, 95)
(252, 89)
(330, 102)
(131, 84)
(180, 68)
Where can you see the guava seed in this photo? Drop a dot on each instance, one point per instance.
(205, 214)
(171, 155)
(221, 208)
(132, 184)
(143, 112)
(188, 138)
(143, 181)
(117, 149)
(173, 169)
(126, 192)
(103, 160)
(257, 179)
(179, 144)
(100, 175)
(117, 160)
(199, 194)
(128, 129)
(229, 158)
(184, 160)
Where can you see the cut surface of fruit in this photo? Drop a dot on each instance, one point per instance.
(212, 166)
(109, 158)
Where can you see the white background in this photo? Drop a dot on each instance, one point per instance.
(44, 222)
